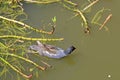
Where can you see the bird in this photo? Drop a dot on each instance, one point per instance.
(51, 51)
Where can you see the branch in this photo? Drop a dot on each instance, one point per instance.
(42, 2)
(33, 39)
(27, 26)
(79, 12)
(24, 75)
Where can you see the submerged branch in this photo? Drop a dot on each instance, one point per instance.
(10, 65)
(83, 17)
(97, 17)
(87, 30)
(42, 2)
(26, 26)
(27, 60)
(33, 39)
(79, 12)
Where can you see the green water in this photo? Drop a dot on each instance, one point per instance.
(96, 56)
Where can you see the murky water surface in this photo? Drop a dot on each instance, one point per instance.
(97, 55)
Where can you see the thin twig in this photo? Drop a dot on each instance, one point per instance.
(91, 4)
(106, 20)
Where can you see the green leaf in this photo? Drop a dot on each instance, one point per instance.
(54, 19)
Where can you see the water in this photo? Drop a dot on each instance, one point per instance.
(97, 54)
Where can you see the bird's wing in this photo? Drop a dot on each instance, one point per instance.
(51, 48)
